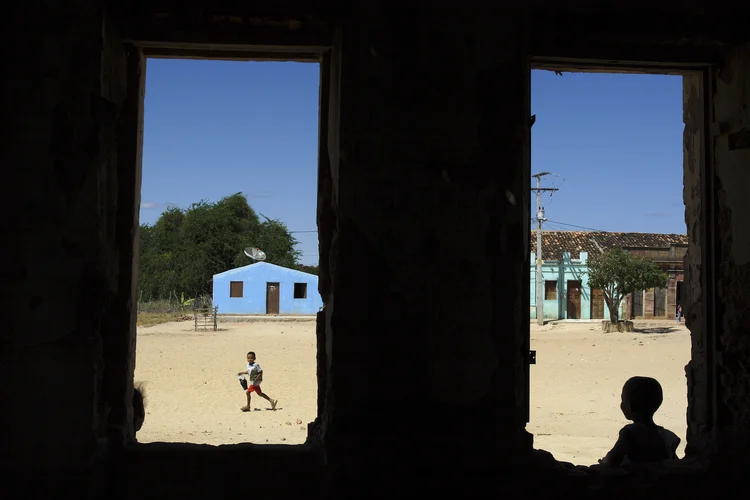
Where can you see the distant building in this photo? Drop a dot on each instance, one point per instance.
(264, 288)
(567, 294)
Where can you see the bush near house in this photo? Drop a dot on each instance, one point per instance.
(185, 248)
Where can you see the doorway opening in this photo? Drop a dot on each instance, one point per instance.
(573, 292)
(273, 297)
(607, 146)
(229, 198)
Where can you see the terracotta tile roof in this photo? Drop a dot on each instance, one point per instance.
(554, 243)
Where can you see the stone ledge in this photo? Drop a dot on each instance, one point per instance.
(194, 471)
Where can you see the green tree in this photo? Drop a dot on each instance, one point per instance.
(182, 251)
(277, 243)
(619, 273)
(308, 269)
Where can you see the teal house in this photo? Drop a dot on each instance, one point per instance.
(566, 291)
(567, 294)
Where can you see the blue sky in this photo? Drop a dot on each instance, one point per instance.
(213, 128)
(615, 141)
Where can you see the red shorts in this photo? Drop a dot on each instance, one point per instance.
(254, 388)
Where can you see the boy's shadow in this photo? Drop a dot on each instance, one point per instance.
(267, 409)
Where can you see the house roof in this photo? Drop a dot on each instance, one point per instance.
(554, 243)
(260, 265)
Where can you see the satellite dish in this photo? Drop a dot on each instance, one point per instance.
(255, 253)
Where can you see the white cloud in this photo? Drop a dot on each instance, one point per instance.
(148, 204)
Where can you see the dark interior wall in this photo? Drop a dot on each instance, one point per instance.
(430, 178)
(63, 274)
(74, 138)
(425, 182)
(731, 155)
(716, 292)
(123, 82)
(698, 372)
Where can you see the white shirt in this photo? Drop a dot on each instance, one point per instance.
(253, 370)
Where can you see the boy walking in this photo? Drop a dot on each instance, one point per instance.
(255, 373)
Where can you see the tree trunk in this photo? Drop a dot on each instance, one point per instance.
(614, 311)
(614, 324)
(620, 326)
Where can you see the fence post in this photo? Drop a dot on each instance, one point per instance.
(216, 312)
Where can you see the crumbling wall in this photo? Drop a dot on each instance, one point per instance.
(731, 150)
(717, 283)
(692, 300)
(123, 90)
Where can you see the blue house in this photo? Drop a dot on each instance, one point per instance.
(264, 288)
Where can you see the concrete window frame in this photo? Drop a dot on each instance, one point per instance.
(696, 74)
(139, 46)
(697, 77)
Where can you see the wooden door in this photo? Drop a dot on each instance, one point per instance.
(272, 298)
(660, 302)
(637, 304)
(597, 303)
(574, 299)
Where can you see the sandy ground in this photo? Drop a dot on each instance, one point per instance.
(577, 382)
(193, 394)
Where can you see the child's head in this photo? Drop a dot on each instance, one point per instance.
(251, 357)
(641, 397)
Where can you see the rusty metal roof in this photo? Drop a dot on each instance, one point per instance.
(554, 243)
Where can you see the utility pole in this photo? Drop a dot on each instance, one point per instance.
(539, 219)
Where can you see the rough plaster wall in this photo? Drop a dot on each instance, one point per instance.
(65, 273)
(432, 212)
(732, 157)
(123, 74)
(328, 174)
(696, 369)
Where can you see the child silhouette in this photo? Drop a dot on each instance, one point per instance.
(642, 441)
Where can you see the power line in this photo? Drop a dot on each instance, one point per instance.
(532, 220)
(553, 223)
(554, 226)
(579, 227)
